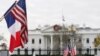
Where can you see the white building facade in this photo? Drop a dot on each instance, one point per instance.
(48, 39)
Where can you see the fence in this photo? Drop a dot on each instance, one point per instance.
(26, 52)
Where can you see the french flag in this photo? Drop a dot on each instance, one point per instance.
(14, 29)
(17, 24)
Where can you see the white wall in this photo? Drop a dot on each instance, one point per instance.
(91, 34)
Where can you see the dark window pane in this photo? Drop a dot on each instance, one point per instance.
(32, 41)
(80, 40)
(87, 40)
(39, 41)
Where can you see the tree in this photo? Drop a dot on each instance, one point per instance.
(97, 41)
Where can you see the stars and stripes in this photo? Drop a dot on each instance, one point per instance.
(20, 15)
(66, 51)
(16, 20)
(73, 51)
(70, 51)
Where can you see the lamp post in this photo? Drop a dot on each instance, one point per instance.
(90, 50)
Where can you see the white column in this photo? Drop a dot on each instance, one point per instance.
(51, 43)
(46, 43)
(61, 43)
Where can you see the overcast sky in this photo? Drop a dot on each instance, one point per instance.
(41, 12)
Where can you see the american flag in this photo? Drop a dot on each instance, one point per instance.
(70, 50)
(16, 20)
(19, 12)
(66, 52)
(73, 51)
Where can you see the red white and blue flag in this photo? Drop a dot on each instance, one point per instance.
(70, 50)
(73, 51)
(16, 20)
(66, 51)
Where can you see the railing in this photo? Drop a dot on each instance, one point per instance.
(26, 52)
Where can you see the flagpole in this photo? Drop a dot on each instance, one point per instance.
(63, 29)
(8, 11)
(73, 30)
(1, 18)
(61, 39)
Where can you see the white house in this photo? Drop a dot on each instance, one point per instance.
(49, 39)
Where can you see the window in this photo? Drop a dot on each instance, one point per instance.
(68, 40)
(80, 40)
(87, 40)
(39, 41)
(32, 41)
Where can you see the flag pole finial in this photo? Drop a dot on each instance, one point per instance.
(1, 18)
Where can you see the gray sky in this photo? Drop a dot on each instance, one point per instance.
(41, 12)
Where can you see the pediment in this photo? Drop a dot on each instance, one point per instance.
(48, 29)
(53, 28)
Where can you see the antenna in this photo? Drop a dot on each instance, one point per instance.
(63, 18)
